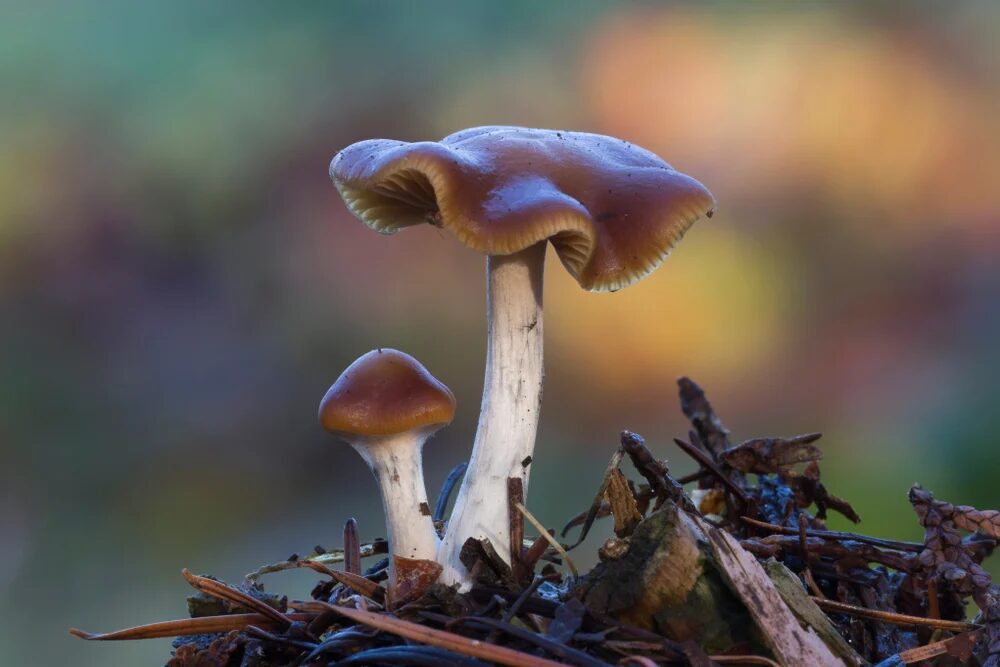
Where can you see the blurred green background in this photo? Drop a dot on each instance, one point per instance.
(179, 281)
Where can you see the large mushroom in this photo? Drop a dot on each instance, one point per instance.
(386, 405)
(612, 211)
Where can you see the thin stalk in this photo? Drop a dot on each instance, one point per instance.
(396, 463)
(508, 419)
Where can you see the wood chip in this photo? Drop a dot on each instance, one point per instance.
(959, 646)
(413, 577)
(791, 591)
(352, 547)
(515, 496)
(623, 505)
(781, 631)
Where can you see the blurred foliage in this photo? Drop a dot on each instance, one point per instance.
(179, 282)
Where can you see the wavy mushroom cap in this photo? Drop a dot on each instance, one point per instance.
(385, 392)
(612, 210)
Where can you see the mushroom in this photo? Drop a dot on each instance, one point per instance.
(612, 211)
(386, 405)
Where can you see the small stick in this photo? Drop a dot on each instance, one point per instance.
(803, 524)
(603, 511)
(355, 582)
(568, 654)
(515, 497)
(654, 471)
(642, 498)
(260, 633)
(933, 605)
(333, 556)
(834, 535)
(522, 598)
(892, 617)
(813, 586)
(352, 547)
(443, 639)
(534, 552)
(551, 540)
(191, 626)
(693, 477)
(806, 556)
(515, 607)
(307, 606)
(706, 462)
(895, 560)
(536, 605)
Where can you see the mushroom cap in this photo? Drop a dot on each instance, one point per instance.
(612, 210)
(385, 392)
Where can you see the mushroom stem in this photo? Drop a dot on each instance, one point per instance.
(508, 418)
(395, 460)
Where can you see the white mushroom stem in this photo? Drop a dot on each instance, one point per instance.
(508, 418)
(395, 460)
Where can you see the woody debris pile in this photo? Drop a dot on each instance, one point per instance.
(732, 564)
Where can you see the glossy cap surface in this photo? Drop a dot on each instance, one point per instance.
(612, 210)
(385, 392)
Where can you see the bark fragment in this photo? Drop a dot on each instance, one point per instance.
(666, 582)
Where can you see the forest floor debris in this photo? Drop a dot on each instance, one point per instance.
(732, 564)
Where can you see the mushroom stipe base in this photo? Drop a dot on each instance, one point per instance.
(735, 566)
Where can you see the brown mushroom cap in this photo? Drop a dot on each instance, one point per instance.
(612, 210)
(385, 392)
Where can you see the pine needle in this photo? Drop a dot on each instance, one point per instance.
(548, 538)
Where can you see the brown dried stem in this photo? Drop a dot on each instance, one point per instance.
(442, 638)
(914, 547)
(515, 497)
(331, 557)
(355, 582)
(548, 537)
(352, 547)
(837, 550)
(224, 592)
(703, 459)
(193, 626)
(892, 617)
(663, 486)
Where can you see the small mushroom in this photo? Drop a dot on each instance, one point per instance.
(386, 405)
(611, 210)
